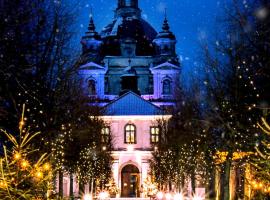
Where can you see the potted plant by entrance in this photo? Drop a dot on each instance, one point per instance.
(113, 189)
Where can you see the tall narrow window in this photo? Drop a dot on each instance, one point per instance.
(130, 134)
(92, 87)
(166, 87)
(154, 135)
(105, 134)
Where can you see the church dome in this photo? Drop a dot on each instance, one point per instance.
(128, 23)
(129, 27)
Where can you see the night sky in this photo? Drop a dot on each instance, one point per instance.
(189, 20)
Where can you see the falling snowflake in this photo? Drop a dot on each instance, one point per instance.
(262, 13)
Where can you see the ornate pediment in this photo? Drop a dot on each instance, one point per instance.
(166, 66)
(92, 66)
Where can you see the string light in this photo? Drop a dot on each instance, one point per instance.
(24, 164)
(39, 175)
(17, 156)
(46, 167)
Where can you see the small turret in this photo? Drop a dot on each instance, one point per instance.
(165, 40)
(91, 42)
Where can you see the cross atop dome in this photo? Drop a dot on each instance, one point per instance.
(165, 26)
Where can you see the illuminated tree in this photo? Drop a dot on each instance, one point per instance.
(79, 149)
(236, 84)
(23, 174)
(179, 155)
(263, 153)
(260, 164)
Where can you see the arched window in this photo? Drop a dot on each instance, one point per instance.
(92, 87)
(130, 134)
(167, 87)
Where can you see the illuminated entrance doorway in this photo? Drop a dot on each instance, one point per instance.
(130, 181)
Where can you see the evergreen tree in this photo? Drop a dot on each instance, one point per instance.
(23, 175)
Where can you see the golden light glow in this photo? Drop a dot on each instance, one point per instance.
(46, 166)
(17, 156)
(21, 124)
(220, 157)
(39, 175)
(3, 184)
(24, 164)
(260, 186)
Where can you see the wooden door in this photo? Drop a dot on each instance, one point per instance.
(130, 179)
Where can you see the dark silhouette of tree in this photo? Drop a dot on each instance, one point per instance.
(38, 68)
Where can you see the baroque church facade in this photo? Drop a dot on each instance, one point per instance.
(132, 70)
(129, 55)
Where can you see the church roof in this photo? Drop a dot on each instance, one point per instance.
(129, 27)
(131, 104)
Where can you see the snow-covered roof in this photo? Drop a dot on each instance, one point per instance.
(131, 104)
(131, 27)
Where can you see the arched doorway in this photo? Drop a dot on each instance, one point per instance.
(130, 181)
